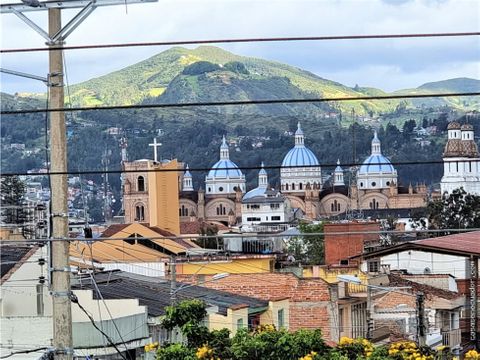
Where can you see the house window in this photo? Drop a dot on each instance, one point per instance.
(275, 218)
(239, 323)
(341, 319)
(139, 213)
(140, 183)
(281, 319)
(373, 266)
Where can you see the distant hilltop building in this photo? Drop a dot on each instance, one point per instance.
(225, 199)
(461, 160)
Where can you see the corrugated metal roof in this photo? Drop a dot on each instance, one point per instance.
(465, 244)
(154, 292)
(468, 243)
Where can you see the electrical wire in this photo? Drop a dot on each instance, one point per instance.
(74, 300)
(239, 102)
(271, 167)
(246, 40)
(25, 352)
(249, 235)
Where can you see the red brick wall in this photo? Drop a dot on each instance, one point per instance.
(339, 247)
(309, 297)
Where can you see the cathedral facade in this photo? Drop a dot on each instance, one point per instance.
(461, 160)
(302, 187)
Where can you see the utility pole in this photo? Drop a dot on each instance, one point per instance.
(421, 325)
(62, 312)
(173, 280)
(59, 251)
(369, 334)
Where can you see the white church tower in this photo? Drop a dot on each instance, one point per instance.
(461, 160)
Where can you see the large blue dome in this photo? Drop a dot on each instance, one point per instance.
(219, 170)
(376, 163)
(300, 156)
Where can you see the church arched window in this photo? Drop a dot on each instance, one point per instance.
(183, 211)
(140, 183)
(286, 187)
(221, 210)
(293, 186)
(300, 186)
(374, 204)
(139, 212)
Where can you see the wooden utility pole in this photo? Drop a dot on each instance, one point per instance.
(62, 312)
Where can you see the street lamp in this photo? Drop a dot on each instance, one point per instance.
(420, 305)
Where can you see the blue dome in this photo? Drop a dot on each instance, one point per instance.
(376, 163)
(219, 169)
(254, 193)
(300, 156)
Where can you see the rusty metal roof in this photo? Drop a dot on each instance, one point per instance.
(465, 244)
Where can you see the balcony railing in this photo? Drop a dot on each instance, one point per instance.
(451, 338)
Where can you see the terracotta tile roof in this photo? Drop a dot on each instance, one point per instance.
(113, 229)
(429, 291)
(193, 227)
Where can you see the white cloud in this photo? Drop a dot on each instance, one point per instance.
(386, 64)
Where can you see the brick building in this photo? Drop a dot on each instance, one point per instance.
(339, 247)
(312, 301)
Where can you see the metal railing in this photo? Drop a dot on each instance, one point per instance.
(451, 338)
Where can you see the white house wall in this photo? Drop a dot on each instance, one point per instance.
(19, 292)
(143, 268)
(416, 262)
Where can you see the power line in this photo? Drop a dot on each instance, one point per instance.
(25, 352)
(74, 299)
(239, 102)
(248, 40)
(244, 235)
(272, 167)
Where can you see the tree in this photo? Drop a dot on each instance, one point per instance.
(457, 210)
(309, 249)
(12, 192)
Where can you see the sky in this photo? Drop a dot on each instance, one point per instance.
(390, 64)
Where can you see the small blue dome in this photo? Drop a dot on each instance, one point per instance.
(376, 163)
(219, 169)
(254, 193)
(300, 156)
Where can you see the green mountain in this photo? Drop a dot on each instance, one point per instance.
(209, 73)
(150, 78)
(451, 86)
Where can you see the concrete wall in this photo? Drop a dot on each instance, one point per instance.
(271, 315)
(19, 292)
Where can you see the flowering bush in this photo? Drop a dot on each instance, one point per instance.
(472, 355)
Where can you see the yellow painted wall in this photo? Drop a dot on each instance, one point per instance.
(230, 321)
(234, 266)
(330, 276)
(271, 315)
(163, 196)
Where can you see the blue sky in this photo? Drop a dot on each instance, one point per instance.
(387, 64)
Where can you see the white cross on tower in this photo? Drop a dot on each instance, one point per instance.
(155, 145)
